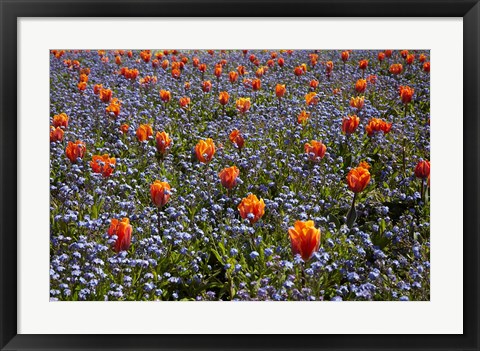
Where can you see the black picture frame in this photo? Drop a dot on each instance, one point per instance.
(12, 10)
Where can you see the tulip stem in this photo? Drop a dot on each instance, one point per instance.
(158, 219)
(422, 190)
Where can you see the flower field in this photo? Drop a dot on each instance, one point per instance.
(251, 175)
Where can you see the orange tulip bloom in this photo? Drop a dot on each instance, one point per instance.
(363, 64)
(256, 84)
(396, 68)
(165, 95)
(144, 132)
(303, 117)
(315, 150)
(223, 98)
(410, 58)
(82, 86)
(426, 67)
(233, 76)
(114, 107)
(305, 239)
(243, 105)
(328, 67)
(97, 88)
(388, 53)
(311, 98)
(241, 70)
(372, 79)
(75, 150)
(350, 124)
(163, 142)
(186, 86)
(124, 128)
(422, 170)
(146, 56)
(105, 95)
(103, 164)
(251, 208)
(358, 179)
(218, 71)
(184, 102)
(56, 134)
(176, 73)
(381, 56)
(345, 56)
(60, 120)
(123, 230)
(206, 86)
(298, 71)
(406, 93)
(202, 67)
(361, 85)
(422, 58)
(280, 90)
(228, 177)
(314, 84)
(237, 139)
(281, 61)
(404, 53)
(357, 102)
(377, 125)
(205, 149)
(83, 78)
(160, 193)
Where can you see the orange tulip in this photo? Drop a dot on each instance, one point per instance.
(184, 102)
(114, 107)
(315, 150)
(146, 56)
(314, 84)
(233, 76)
(422, 58)
(205, 149)
(396, 68)
(422, 170)
(105, 95)
(361, 85)
(237, 139)
(160, 193)
(303, 117)
(243, 105)
(281, 61)
(82, 86)
(56, 134)
(305, 239)
(223, 98)
(372, 79)
(298, 71)
(357, 102)
(241, 70)
(165, 95)
(228, 177)
(123, 230)
(363, 64)
(406, 93)
(426, 67)
(256, 84)
(206, 86)
(202, 67)
(144, 132)
(404, 53)
(388, 53)
(350, 124)
(97, 88)
(381, 56)
(60, 120)
(377, 125)
(345, 56)
(328, 67)
(186, 86)
(251, 208)
(163, 142)
(75, 150)
(218, 71)
(103, 164)
(358, 179)
(311, 98)
(124, 128)
(410, 58)
(83, 78)
(280, 90)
